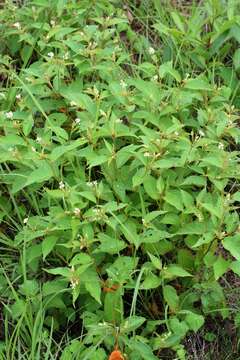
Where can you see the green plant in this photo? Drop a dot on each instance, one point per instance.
(119, 157)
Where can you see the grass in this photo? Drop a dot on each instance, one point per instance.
(119, 180)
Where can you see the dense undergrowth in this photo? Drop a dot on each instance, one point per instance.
(119, 179)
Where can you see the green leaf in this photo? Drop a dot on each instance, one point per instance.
(173, 270)
(27, 125)
(151, 281)
(236, 196)
(48, 244)
(174, 198)
(194, 321)
(232, 244)
(81, 259)
(178, 21)
(109, 245)
(150, 186)
(92, 283)
(167, 68)
(29, 288)
(138, 178)
(113, 307)
(63, 149)
(220, 267)
(141, 349)
(236, 59)
(198, 84)
(171, 297)
(43, 173)
(132, 323)
(235, 267)
(157, 263)
(63, 271)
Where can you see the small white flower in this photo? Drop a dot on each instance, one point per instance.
(151, 50)
(61, 185)
(176, 133)
(221, 146)
(123, 84)
(92, 183)
(77, 121)
(66, 56)
(9, 115)
(33, 149)
(73, 103)
(17, 25)
(102, 112)
(39, 139)
(52, 22)
(119, 121)
(81, 33)
(146, 154)
(18, 96)
(25, 220)
(201, 133)
(50, 54)
(155, 78)
(77, 211)
(74, 283)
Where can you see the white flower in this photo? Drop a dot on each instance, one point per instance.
(33, 149)
(39, 139)
(66, 56)
(151, 50)
(155, 78)
(50, 54)
(17, 25)
(118, 121)
(92, 183)
(72, 103)
(61, 185)
(221, 146)
(201, 133)
(52, 22)
(123, 84)
(74, 283)
(25, 220)
(102, 112)
(77, 211)
(18, 96)
(9, 115)
(81, 33)
(77, 121)
(176, 133)
(146, 154)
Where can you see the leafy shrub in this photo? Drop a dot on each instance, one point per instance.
(119, 175)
